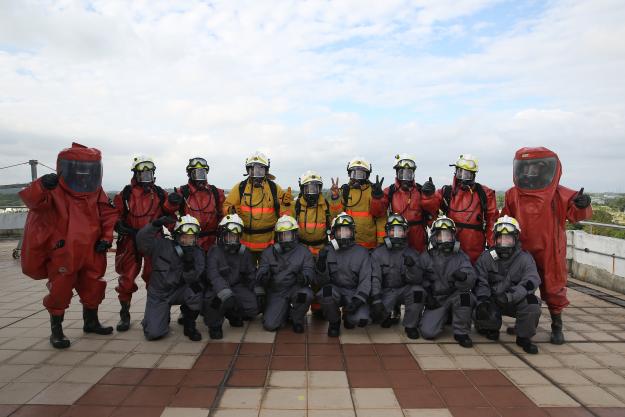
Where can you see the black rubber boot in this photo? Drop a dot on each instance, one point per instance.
(92, 323)
(464, 340)
(334, 329)
(527, 345)
(492, 335)
(298, 328)
(181, 319)
(348, 325)
(412, 333)
(511, 330)
(57, 338)
(124, 317)
(387, 322)
(215, 332)
(557, 337)
(189, 323)
(396, 315)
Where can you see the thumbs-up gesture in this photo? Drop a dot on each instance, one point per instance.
(376, 187)
(581, 200)
(428, 187)
(335, 188)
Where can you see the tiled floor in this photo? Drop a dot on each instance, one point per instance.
(367, 372)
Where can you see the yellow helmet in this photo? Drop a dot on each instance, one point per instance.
(257, 158)
(343, 219)
(187, 225)
(404, 160)
(467, 162)
(142, 163)
(506, 225)
(286, 223)
(310, 176)
(359, 162)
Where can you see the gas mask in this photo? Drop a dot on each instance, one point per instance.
(343, 237)
(311, 192)
(395, 237)
(505, 245)
(257, 173)
(465, 178)
(286, 240)
(444, 240)
(358, 177)
(405, 176)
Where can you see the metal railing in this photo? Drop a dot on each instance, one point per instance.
(595, 224)
(614, 256)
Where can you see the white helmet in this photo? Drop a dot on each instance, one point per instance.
(142, 163)
(257, 158)
(310, 176)
(187, 225)
(286, 223)
(232, 222)
(404, 160)
(359, 162)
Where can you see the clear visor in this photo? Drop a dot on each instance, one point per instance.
(197, 163)
(311, 188)
(406, 163)
(145, 166)
(145, 176)
(344, 232)
(504, 227)
(257, 171)
(397, 232)
(232, 238)
(199, 174)
(357, 174)
(188, 229)
(286, 236)
(405, 174)
(234, 227)
(464, 175)
(187, 240)
(81, 176)
(534, 174)
(505, 241)
(443, 236)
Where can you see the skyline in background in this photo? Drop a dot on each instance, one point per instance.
(313, 84)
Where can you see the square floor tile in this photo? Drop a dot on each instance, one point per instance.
(244, 398)
(462, 397)
(287, 379)
(399, 363)
(61, 393)
(324, 349)
(391, 349)
(247, 378)
(20, 392)
(285, 399)
(448, 378)
(374, 398)
(164, 377)
(289, 349)
(197, 397)
(251, 362)
(505, 397)
(144, 411)
(425, 412)
(592, 396)
(213, 363)
(256, 349)
(421, 397)
(327, 379)
(177, 361)
(40, 411)
(563, 376)
(436, 362)
(329, 399)
(106, 395)
(150, 396)
(288, 363)
(407, 379)
(487, 377)
(363, 363)
(331, 413)
(201, 378)
(548, 396)
(368, 379)
(228, 349)
(88, 410)
(185, 412)
(325, 363)
(124, 376)
(359, 350)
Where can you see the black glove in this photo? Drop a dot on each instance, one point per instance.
(501, 299)
(196, 287)
(261, 300)
(408, 261)
(428, 187)
(302, 280)
(378, 312)
(431, 303)
(175, 199)
(581, 200)
(322, 258)
(123, 229)
(459, 275)
(376, 188)
(188, 258)
(353, 305)
(229, 305)
(102, 246)
(50, 181)
(482, 311)
(163, 220)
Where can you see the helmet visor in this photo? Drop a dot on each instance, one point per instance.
(199, 174)
(397, 232)
(534, 174)
(344, 232)
(257, 171)
(405, 174)
(234, 228)
(505, 241)
(444, 236)
(357, 174)
(286, 236)
(464, 175)
(145, 176)
(197, 163)
(188, 229)
(505, 228)
(406, 163)
(145, 166)
(232, 238)
(81, 176)
(311, 188)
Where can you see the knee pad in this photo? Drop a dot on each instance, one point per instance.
(327, 291)
(465, 300)
(417, 296)
(531, 299)
(362, 322)
(301, 298)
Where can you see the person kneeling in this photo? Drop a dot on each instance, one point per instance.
(177, 266)
(230, 269)
(506, 281)
(448, 278)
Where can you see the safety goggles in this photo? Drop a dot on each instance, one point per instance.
(443, 224)
(234, 228)
(199, 174)
(466, 164)
(464, 175)
(357, 174)
(188, 229)
(344, 232)
(311, 188)
(145, 166)
(197, 163)
(286, 236)
(405, 174)
(145, 176)
(257, 171)
(397, 232)
(406, 163)
(505, 241)
(444, 236)
(505, 228)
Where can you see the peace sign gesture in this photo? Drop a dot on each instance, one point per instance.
(335, 188)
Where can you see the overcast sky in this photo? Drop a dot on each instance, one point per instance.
(314, 83)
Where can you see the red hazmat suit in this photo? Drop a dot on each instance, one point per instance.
(61, 232)
(542, 214)
(205, 204)
(137, 206)
(408, 204)
(465, 209)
